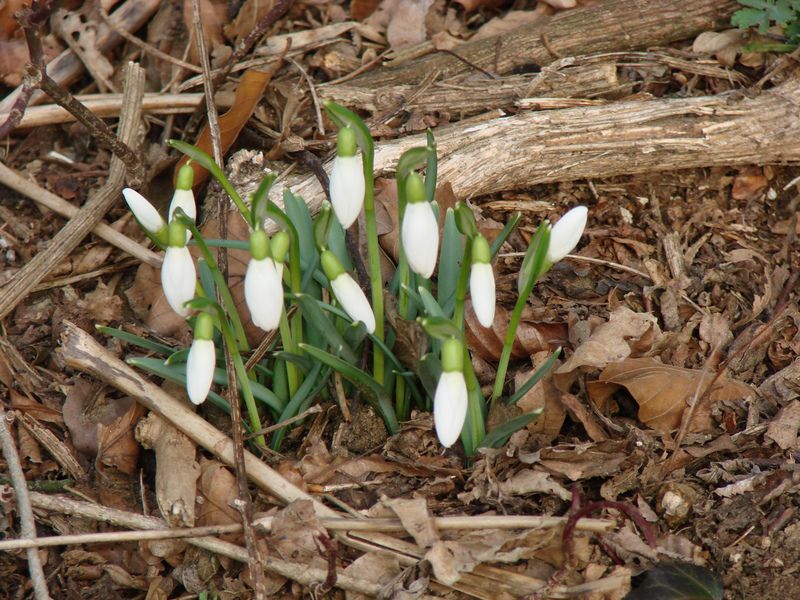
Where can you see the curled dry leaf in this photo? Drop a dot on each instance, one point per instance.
(663, 392)
(382, 568)
(783, 428)
(116, 444)
(213, 14)
(294, 535)
(248, 94)
(413, 514)
(531, 337)
(218, 490)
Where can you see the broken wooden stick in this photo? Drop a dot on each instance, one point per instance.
(485, 156)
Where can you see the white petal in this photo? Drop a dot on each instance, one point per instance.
(420, 236)
(353, 301)
(184, 199)
(178, 278)
(144, 212)
(347, 188)
(263, 292)
(566, 234)
(450, 407)
(482, 292)
(200, 366)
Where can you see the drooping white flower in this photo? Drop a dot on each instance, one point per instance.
(420, 231)
(481, 281)
(566, 234)
(347, 291)
(183, 199)
(178, 278)
(450, 400)
(145, 213)
(482, 292)
(202, 360)
(263, 293)
(347, 183)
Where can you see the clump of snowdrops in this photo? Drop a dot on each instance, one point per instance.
(306, 264)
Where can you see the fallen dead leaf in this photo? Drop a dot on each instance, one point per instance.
(783, 427)
(748, 184)
(473, 5)
(116, 445)
(413, 514)
(663, 392)
(626, 333)
(407, 23)
(217, 491)
(294, 535)
(248, 94)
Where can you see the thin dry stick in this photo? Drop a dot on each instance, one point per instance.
(90, 214)
(243, 504)
(27, 524)
(99, 131)
(13, 180)
(264, 23)
(303, 574)
(147, 48)
(331, 524)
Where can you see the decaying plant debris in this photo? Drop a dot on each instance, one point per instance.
(669, 432)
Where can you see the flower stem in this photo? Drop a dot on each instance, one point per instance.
(461, 286)
(374, 256)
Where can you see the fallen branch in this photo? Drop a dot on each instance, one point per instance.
(301, 573)
(46, 198)
(485, 156)
(87, 218)
(607, 26)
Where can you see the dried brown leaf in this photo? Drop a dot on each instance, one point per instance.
(213, 14)
(218, 489)
(663, 392)
(783, 427)
(543, 395)
(361, 9)
(473, 5)
(294, 535)
(625, 333)
(248, 93)
(407, 22)
(116, 445)
(249, 14)
(413, 514)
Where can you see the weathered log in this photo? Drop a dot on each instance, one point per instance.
(481, 157)
(612, 25)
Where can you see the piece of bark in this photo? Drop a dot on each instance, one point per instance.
(603, 27)
(176, 469)
(465, 98)
(638, 136)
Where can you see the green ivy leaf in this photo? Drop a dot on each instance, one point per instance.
(678, 581)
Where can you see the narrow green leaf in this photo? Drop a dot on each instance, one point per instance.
(432, 167)
(450, 257)
(317, 320)
(347, 118)
(295, 405)
(533, 262)
(135, 340)
(679, 581)
(429, 303)
(258, 204)
(411, 160)
(299, 215)
(177, 374)
(500, 434)
(440, 328)
(503, 235)
(535, 378)
(364, 381)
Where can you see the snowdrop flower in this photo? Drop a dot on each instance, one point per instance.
(450, 400)
(347, 179)
(202, 360)
(183, 197)
(145, 213)
(263, 288)
(419, 231)
(347, 291)
(481, 281)
(566, 234)
(178, 276)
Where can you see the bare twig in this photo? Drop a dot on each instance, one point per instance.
(303, 574)
(13, 180)
(264, 23)
(27, 524)
(90, 214)
(99, 131)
